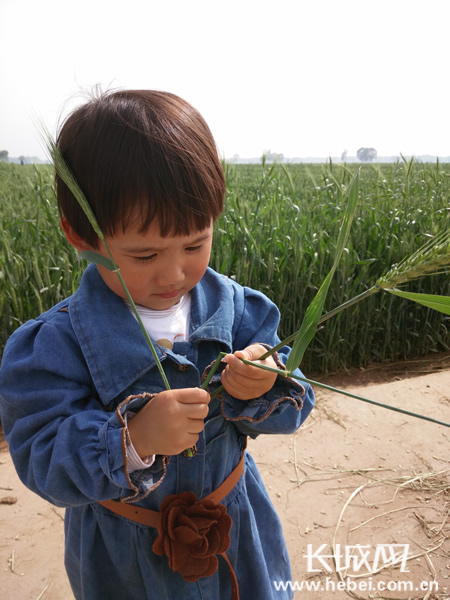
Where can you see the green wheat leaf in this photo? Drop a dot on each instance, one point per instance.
(315, 309)
(98, 259)
(439, 303)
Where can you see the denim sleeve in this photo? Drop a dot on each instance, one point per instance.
(66, 446)
(284, 408)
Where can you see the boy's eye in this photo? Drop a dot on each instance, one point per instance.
(150, 257)
(144, 258)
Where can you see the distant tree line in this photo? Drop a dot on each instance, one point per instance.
(366, 154)
(269, 156)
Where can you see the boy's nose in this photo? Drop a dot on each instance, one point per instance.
(171, 274)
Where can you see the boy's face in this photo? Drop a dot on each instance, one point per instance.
(157, 270)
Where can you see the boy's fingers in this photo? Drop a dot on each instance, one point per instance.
(234, 359)
(193, 396)
(243, 371)
(253, 352)
(195, 426)
(198, 411)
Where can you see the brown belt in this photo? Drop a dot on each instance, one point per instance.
(191, 532)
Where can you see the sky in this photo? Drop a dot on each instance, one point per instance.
(297, 77)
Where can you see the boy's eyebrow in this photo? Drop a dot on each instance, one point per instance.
(141, 250)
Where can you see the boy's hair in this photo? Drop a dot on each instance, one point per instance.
(140, 156)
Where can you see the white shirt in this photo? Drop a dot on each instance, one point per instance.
(169, 325)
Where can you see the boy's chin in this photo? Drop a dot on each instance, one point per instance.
(158, 303)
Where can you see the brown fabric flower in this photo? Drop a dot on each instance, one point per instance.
(191, 532)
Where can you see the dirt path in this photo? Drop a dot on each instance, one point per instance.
(372, 480)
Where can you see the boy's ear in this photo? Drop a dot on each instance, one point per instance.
(72, 237)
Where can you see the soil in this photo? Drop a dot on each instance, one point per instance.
(371, 483)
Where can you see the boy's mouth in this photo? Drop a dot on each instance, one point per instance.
(169, 295)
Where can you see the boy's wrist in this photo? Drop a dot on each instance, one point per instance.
(135, 462)
(136, 444)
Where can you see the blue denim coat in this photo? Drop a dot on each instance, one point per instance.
(62, 379)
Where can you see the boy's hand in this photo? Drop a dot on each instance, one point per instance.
(170, 422)
(245, 382)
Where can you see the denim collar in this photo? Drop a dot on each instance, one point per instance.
(112, 342)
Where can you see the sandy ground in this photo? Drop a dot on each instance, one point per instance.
(372, 483)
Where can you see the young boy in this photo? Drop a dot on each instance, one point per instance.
(89, 422)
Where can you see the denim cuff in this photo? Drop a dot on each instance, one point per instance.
(143, 481)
